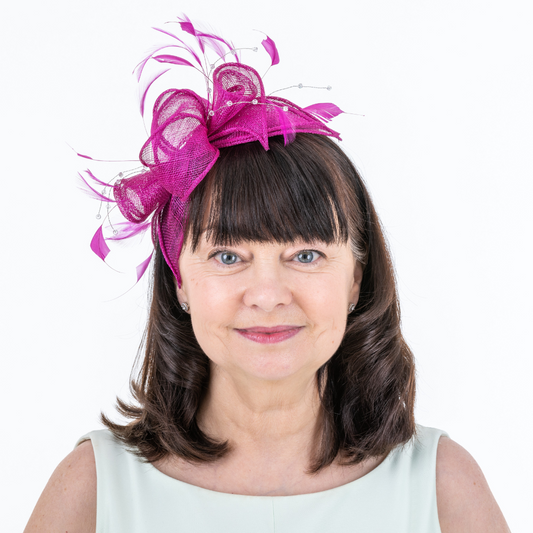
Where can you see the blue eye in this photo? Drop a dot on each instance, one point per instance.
(228, 258)
(307, 256)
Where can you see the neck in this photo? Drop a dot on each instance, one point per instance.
(272, 428)
(262, 419)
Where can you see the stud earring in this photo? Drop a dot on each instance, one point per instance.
(185, 307)
(351, 307)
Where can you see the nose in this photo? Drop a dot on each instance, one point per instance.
(267, 288)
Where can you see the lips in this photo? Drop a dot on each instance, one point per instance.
(275, 329)
(271, 335)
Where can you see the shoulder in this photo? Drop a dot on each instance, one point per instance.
(465, 502)
(68, 502)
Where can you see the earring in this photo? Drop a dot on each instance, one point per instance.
(185, 307)
(351, 307)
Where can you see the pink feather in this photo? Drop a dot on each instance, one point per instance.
(289, 133)
(93, 193)
(270, 47)
(138, 70)
(206, 39)
(174, 60)
(147, 87)
(84, 156)
(325, 110)
(185, 46)
(187, 26)
(141, 269)
(98, 244)
(96, 180)
(236, 54)
(102, 160)
(215, 43)
(128, 229)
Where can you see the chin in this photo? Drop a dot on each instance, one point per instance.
(278, 366)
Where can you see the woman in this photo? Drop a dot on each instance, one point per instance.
(276, 391)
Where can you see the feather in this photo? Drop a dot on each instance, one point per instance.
(101, 160)
(138, 70)
(174, 60)
(214, 42)
(128, 229)
(141, 269)
(87, 189)
(82, 155)
(206, 39)
(325, 110)
(98, 244)
(270, 47)
(96, 180)
(187, 26)
(287, 128)
(185, 45)
(147, 87)
(236, 53)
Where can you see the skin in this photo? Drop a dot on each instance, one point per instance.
(262, 398)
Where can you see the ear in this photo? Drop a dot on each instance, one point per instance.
(180, 290)
(182, 296)
(357, 279)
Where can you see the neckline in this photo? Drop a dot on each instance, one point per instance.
(361, 481)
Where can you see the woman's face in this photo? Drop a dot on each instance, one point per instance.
(269, 311)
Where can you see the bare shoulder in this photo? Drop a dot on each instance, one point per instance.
(465, 502)
(68, 502)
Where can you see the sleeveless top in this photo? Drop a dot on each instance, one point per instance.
(398, 496)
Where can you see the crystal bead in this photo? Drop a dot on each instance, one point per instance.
(328, 87)
(285, 108)
(211, 113)
(254, 48)
(229, 103)
(98, 216)
(120, 174)
(254, 101)
(115, 232)
(300, 85)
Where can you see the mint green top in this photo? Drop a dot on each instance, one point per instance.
(398, 496)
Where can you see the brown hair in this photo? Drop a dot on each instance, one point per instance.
(308, 189)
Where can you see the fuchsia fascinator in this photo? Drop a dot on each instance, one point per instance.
(187, 133)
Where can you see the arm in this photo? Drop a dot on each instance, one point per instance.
(68, 502)
(465, 502)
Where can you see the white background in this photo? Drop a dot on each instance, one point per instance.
(445, 147)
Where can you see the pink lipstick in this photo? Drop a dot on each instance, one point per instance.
(269, 335)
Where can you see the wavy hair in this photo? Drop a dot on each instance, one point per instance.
(308, 189)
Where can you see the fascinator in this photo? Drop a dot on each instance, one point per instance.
(187, 133)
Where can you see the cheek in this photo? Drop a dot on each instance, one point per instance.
(207, 292)
(325, 302)
(218, 295)
(326, 294)
(215, 305)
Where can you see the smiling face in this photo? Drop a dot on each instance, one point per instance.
(269, 311)
(268, 267)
